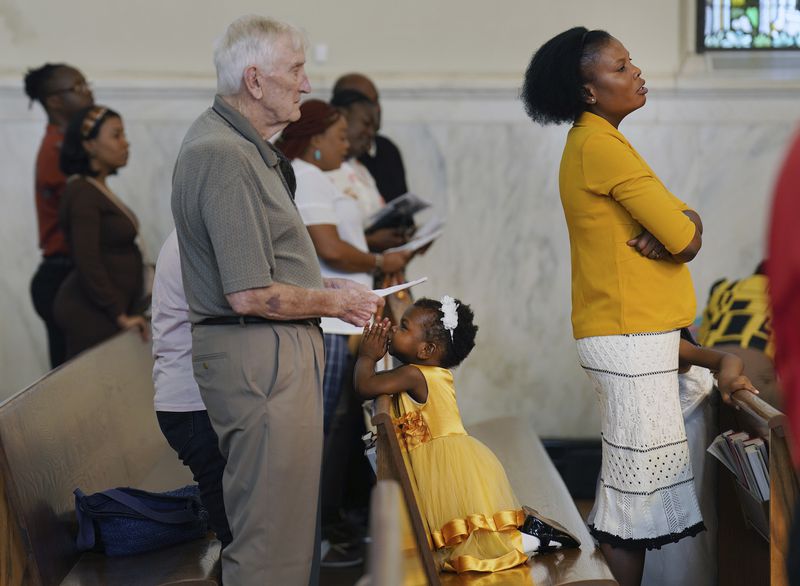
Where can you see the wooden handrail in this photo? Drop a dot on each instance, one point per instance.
(759, 408)
(382, 404)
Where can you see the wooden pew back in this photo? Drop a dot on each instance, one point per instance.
(392, 465)
(391, 533)
(89, 424)
(385, 567)
(762, 420)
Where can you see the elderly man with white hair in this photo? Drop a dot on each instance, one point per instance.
(255, 294)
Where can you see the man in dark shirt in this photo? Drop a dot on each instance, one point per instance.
(62, 91)
(383, 160)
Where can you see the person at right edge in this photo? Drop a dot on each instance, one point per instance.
(784, 294)
(631, 293)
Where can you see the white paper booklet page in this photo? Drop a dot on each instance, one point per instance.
(429, 232)
(400, 287)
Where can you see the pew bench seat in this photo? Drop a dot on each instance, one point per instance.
(89, 424)
(537, 484)
(191, 563)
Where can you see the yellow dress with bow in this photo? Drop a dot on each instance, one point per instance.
(463, 491)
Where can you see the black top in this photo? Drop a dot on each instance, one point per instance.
(687, 335)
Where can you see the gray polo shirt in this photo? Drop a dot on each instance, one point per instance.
(238, 227)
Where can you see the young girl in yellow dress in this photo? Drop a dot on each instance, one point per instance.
(464, 494)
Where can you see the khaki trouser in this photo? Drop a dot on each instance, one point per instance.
(262, 386)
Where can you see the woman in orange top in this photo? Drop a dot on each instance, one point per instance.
(631, 292)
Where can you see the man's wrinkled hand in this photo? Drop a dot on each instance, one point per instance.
(338, 283)
(358, 305)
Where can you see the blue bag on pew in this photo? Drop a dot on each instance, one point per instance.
(126, 521)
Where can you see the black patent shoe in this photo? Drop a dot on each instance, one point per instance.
(546, 531)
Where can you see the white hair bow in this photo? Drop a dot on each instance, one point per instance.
(450, 318)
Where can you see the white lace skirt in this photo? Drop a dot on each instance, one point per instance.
(645, 495)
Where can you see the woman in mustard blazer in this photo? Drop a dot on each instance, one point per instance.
(631, 293)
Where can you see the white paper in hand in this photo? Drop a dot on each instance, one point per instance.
(396, 288)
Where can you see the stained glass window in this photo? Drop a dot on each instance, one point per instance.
(748, 24)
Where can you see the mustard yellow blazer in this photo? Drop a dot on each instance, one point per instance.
(609, 195)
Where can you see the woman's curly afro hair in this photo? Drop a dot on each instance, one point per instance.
(552, 91)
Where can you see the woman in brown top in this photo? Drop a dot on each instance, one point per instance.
(99, 297)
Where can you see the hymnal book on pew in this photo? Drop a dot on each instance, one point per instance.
(370, 440)
(760, 474)
(746, 458)
(398, 212)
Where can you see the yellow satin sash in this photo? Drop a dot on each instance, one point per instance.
(468, 563)
(454, 532)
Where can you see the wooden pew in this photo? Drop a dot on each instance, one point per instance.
(89, 424)
(393, 465)
(744, 556)
(390, 529)
(385, 567)
(536, 482)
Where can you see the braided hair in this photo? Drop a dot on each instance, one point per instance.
(457, 348)
(39, 82)
(552, 91)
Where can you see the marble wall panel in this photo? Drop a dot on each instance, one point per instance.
(476, 157)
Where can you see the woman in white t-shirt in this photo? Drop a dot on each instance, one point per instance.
(317, 143)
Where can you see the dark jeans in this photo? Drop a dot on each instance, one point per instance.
(347, 476)
(191, 435)
(44, 286)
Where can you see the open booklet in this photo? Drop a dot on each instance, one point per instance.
(426, 234)
(398, 212)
